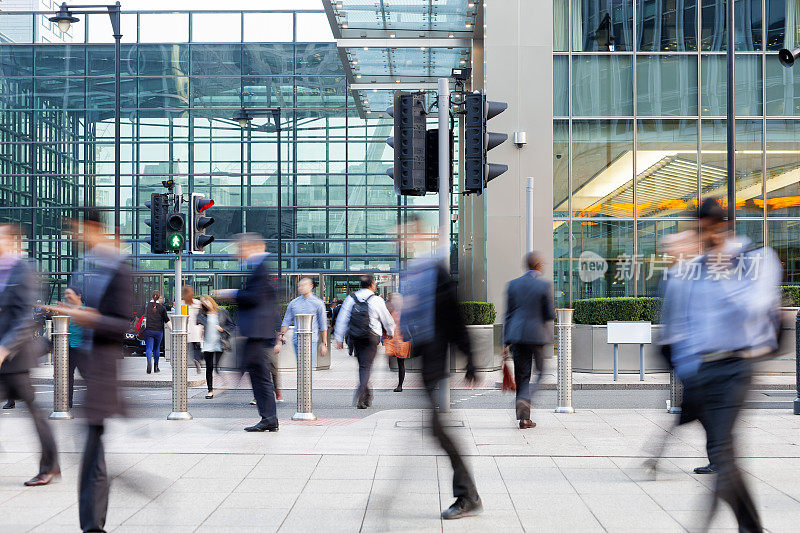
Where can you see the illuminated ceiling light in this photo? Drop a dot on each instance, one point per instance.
(366, 48)
(397, 81)
(339, 4)
(422, 48)
(469, 4)
(452, 35)
(374, 90)
(358, 76)
(392, 35)
(468, 25)
(345, 25)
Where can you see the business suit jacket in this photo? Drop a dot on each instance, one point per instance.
(107, 287)
(16, 318)
(529, 306)
(258, 304)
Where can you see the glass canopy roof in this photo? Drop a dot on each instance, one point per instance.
(391, 44)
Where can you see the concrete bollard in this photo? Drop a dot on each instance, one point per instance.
(303, 331)
(180, 410)
(564, 385)
(60, 337)
(675, 393)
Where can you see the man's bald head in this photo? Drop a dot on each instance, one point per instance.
(534, 261)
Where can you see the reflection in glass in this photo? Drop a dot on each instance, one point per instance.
(649, 249)
(714, 81)
(602, 25)
(602, 165)
(667, 25)
(784, 238)
(666, 169)
(560, 25)
(560, 86)
(612, 241)
(783, 168)
(560, 168)
(783, 24)
(666, 85)
(602, 85)
(782, 89)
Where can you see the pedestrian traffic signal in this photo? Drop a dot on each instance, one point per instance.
(176, 232)
(432, 160)
(408, 142)
(477, 141)
(159, 206)
(199, 222)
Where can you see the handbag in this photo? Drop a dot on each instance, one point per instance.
(139, 327)
(508, 378)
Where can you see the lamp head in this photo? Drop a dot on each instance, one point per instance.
(788, 57)
(243, 118)
(63, 18)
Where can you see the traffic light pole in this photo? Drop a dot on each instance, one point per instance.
(178, 258)
(444, 209)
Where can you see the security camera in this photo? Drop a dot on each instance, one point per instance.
(520, 138)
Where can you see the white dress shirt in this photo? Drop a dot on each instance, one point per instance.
(379, 317)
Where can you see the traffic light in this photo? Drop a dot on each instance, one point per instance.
(432, 160)
(159, 206)
(198, 222)
(176, 232)
(408, 142)
(477, 141)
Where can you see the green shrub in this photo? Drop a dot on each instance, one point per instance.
(598, 311)
(790, 295)
(478, 313)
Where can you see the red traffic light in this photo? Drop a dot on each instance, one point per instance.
(203, 204)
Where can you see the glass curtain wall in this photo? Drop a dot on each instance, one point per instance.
(184, 76)
(639, 138)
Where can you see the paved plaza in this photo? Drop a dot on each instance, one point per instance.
(579, 472)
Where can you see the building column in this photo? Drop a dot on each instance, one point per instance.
(518, 65)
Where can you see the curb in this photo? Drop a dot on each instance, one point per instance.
(128, 383)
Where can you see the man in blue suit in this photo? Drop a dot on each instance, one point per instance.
(529, 308)
(259, 325)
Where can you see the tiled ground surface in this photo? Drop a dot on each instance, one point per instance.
(579, 472)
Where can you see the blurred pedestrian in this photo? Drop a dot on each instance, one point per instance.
(77, 355)
(18, 289)
(195, 333)
(336, 306)
(398, 345)
(155, 318)
(215, 327)
(733, 289)
(306, 303)
(259, 320)
(107, 289)
(363, 319)
(529, 308)
(431, 313)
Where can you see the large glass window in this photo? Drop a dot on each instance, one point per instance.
(602, 85)
(602, 25)
(666, 85)
(667, 25)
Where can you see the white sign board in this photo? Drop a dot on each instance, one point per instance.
(629, 332)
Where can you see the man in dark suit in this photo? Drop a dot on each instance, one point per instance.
(529, 308)
(17, 349)
(106, 284)
(259, 322)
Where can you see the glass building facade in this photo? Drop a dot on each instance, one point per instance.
(184, 76)
(639, 131)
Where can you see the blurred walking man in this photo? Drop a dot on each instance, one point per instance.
(307, 303)
(529, 308)
(259, 320)
(363, 319)
(433, 319)
(727, 308)
(18, 287)
(107, 288)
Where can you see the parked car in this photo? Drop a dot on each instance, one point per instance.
(133, 345)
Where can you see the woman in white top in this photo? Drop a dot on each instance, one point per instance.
(195, 333)
(217, 326)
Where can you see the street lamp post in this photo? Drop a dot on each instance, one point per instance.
(787, 58)
(243, 117)
(65, 17)
(731, 117)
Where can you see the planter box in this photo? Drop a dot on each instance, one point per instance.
(591, 353)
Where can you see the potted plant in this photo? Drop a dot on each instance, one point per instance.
(479, 317)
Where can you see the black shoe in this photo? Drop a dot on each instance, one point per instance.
(399, 388)
(9, 405)
(155, 368)
(149, 367)
(262, 426)
(463, 507)
(710, 468)
(362, 405)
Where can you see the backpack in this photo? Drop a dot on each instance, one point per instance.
(359, 318)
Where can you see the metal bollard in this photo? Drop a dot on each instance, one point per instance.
(180, 410)
(60, 337)
(564, 385)
(303, 325)
(675, 393)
